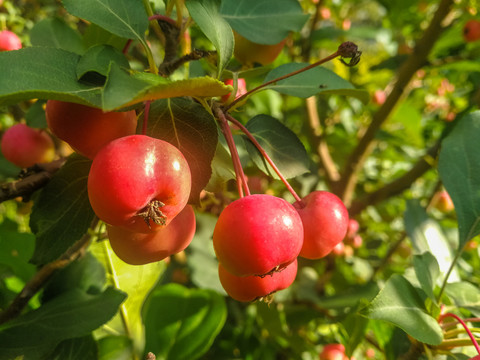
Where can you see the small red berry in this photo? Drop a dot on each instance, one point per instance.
(9, 41)
(471, 30)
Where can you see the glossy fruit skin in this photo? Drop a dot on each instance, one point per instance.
(333, 352)
(9, 41)
(88, 129)
(471, 30)
(130, 172)
(256, 234)
(250, 288)
(241, 88)
(325, 223)
(249, 53)
(25, 146)
(142, 248)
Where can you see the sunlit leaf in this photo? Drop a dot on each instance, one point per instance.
(427, 271)
(400, 304)
(465, 295)
(188, 328)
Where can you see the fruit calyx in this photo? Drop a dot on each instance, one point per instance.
(152, 212)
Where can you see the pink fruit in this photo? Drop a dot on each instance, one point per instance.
(257, 234)
(241, 88)
(325, 223)
(9, 41)
(471, 30)
(88, 129)
(333, 352)
(249, 288)
(25, 146)
(139, 183)
(141, 248)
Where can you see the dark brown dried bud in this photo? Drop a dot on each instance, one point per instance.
(347, 49)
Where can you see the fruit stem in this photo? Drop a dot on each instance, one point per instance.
(237, 165)
(264, 154)
(472, 338)
(346, 49)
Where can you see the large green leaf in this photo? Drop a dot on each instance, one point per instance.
(206, 15)
(124, 89)
(56, 33)
(62, 214)
(459, 168)
(318, 80)
(137, 282)
(70, 315)
(280, 143)
(124, 18)
(44, 73)
(400, 304)
(82, 348)
(264, 21)
(193, 130)
(181, 323)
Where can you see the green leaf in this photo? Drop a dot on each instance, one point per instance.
(75, 349)
(400, 304)
(465, 295)
(96, 63)
(222, 169)
(115, 348)
(95, 35)
(62, 214)
(123, 89)
(86, 274)
(15, 250)
(318, 80)
(187, 125)
(124, 18)
(459, 168)
(201, 258)
(43, 73)
(216, 29)
(70, 315)
(137, 282)
(56, 33)
(427, 236)
(252, 18)
(280, 143)
(188, 328)
(427, 271)
(35, 115)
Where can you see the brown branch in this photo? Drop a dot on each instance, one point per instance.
(399, 185)
(331, 172)
(45, 273)
(414, 62)
(31, 180)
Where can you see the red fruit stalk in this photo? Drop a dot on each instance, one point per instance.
(469, 333)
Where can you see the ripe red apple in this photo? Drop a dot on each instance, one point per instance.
(248, 52)
(471, 30)
(241, 88)
(325, 223)
(88, 129)
(141, 248)
(333, 352)
(257, 234)
(250, 288)
(139, 182)
(9, 41)
(25, 146)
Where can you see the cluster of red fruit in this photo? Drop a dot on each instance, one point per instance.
(150, 220)
(258, 238)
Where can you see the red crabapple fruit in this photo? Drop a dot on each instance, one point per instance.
(9, 41)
